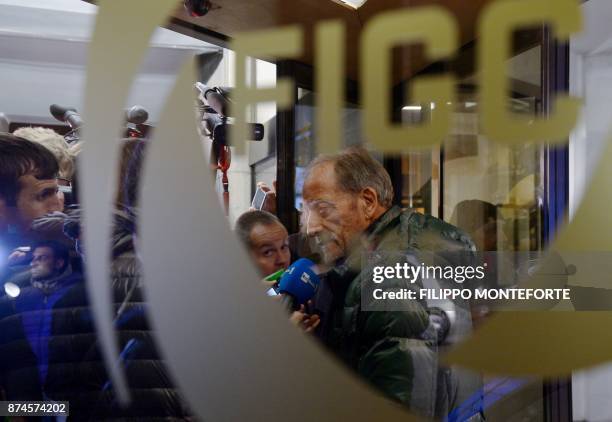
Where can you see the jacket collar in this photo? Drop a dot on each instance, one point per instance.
(52, 284)
(379, 227)
(373, 235)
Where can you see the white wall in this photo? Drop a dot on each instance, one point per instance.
(28, 90)
(591, 79)
(43, 53)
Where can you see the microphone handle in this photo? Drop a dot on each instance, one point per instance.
(73, 119)
(216, 101)
(289, 302)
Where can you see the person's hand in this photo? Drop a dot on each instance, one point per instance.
(297, 317)
(311, 323)
(269, 285)
(306, 322)
(269, 203)
(17, 257)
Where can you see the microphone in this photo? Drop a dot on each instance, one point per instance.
(136, 115)
(299, 283)
(215, 100)
(67, 115)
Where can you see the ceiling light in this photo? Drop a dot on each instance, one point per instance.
(354, 4)
(412, 108)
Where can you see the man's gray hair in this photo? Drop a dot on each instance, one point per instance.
(249, 219)
(356, 170)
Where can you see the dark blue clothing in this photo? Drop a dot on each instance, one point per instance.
(36, 309)
(49, 347)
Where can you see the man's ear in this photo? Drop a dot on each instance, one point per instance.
(370, 200)
(59, 263)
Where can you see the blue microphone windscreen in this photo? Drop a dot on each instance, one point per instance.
(300, 281)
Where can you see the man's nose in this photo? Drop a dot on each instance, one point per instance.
(282, 259)
(313, 223)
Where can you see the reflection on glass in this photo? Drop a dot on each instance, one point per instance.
(491, 191)
(305, 145)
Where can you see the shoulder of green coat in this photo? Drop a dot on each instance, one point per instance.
(429, 230)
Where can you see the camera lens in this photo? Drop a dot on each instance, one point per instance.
(197, 8)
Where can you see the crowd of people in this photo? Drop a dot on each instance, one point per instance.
(48, 345)
(350, 226)
(49, 349)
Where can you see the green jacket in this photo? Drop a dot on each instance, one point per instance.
(395, 350)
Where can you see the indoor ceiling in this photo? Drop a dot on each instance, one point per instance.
(228, 17)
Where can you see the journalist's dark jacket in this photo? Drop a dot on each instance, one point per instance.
(152, 390)
(68, 366)
(395, 350)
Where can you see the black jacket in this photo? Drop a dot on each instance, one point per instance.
(395, 349)
(151, 388)
(49, 348)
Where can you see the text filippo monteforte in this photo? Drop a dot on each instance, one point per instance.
(458, 274)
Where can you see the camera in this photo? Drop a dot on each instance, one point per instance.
(213, 105)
